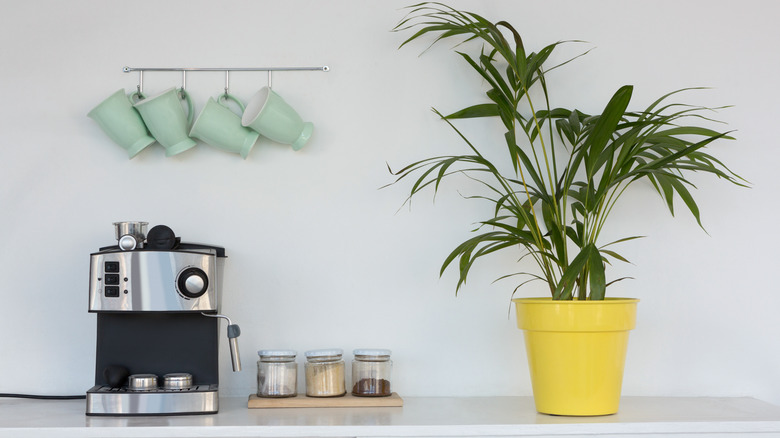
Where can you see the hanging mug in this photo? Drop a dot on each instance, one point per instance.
(166, 120)
(220, 127)
(268, 114)
(117, 118)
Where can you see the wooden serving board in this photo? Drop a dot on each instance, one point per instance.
(346, 401)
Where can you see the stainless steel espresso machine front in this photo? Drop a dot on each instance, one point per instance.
(157, 306)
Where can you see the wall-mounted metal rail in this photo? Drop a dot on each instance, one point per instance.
(227, 70)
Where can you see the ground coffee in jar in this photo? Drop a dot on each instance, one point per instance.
(325, 373)
(371, 372)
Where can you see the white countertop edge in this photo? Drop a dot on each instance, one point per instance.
(401, 431)
(420, 417)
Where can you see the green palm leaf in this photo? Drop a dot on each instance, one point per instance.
(553, 209)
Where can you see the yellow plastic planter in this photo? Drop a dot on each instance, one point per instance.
(576, 352)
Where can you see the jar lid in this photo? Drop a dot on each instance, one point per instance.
(372, 352)
(329, 352)
(277, 353)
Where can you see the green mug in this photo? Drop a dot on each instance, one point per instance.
(268, 114)
(166, 120)
(117, 118)
(220, 127)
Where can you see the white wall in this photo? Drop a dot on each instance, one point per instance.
(318, 256)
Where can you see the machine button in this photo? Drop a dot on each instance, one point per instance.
(112, 278)
(111, 266)
(192, 282)
(112, 291)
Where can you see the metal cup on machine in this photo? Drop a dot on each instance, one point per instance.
(130, 235)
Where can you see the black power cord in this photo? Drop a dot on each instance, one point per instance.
(44, 397)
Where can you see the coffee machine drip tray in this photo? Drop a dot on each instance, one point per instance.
(198, 399)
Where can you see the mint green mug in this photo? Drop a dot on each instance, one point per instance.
(220, 127)
(166, 120)
(117, 118)
(268, 114)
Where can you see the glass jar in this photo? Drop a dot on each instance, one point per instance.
(277, 373)
(371, 373)
(325, 373)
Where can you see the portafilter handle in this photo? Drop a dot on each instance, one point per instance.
(233, 332)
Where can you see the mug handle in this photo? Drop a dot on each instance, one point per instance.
(227, 96)
(136, 97)
(190, 112)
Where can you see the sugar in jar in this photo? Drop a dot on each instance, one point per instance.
(277, 373)
(325, 373)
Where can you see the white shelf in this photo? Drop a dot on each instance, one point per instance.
(419, 417)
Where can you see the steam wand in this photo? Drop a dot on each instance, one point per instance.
(233, 332)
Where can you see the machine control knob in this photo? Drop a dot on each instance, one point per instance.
(193, 282)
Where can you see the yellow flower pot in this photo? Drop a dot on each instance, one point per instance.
(576, 352)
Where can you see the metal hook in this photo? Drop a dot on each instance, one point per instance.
(140, 81)
(227, 82)
(270, 79)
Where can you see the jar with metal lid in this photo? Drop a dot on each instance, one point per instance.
(325, 373)
(277, 373)
(371, 372)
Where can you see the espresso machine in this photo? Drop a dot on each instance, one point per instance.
(157, 302)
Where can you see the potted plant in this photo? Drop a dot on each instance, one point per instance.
(567, 171)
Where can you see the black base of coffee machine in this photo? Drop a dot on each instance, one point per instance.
(156, 343)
